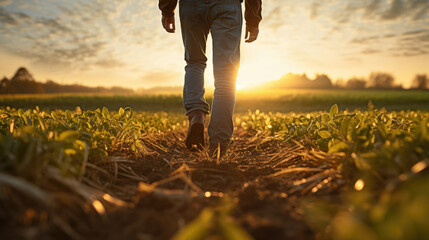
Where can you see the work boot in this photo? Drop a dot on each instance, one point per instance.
(218, 150)
(195, 138)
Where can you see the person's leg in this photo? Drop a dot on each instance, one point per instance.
(226, 33)
(195, 29)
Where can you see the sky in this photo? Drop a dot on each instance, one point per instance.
(122, 43)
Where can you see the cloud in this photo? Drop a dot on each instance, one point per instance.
(273, 19)
(370, 51)
(372, 8)
(52, 24)
(109, 63)
(364, 40)
(5, 2)
(415, 32)
(314, 10)
(409, 43)
(413, 43)
(373, 26)
(79, 35)
(382, 10)
(6, 18)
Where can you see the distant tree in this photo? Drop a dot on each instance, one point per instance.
(22, 74)
(356, 83)
(4, 84)
(398, 87)
(121, 90)
(381, 81)
(23, 82)
(322, 81)
(421, 82)
(53, 87)
(290, 81)
(340, 83)
(22, 86)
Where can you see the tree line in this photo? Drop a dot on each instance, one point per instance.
(376, 80)
(23, 82)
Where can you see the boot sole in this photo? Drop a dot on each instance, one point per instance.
(195, 139)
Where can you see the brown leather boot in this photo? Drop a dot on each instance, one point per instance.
(195, 138)
(217, 150)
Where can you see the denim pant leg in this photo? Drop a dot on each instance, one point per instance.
(195, 29)
(226, 33)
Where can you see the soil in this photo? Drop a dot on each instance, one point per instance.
(268, 180)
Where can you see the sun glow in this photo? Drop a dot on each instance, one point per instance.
(240, 86)
(255, 71)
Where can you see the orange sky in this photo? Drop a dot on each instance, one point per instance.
(101, 42)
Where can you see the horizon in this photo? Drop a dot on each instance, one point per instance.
(288, 78)
(97, 43)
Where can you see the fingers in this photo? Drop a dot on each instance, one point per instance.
(251, 39)
(168, 24)
(170, 28)
(173, 25)
(252, 35)
(163, 23)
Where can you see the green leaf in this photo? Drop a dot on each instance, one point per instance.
(322, 143)
(232, 231)
(344, 128)
(28, 121)
(424, 128)
(324, 134)
(42, 123)
(382, 131)
(361, 163)
(68, 115)
(326, 118)
(105, 112)
(339, 147)
(70, 151)
(69, 135)
(121, 111)
(199, 228)
(78, 110)
(333, 111)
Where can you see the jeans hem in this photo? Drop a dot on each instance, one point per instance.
(221, 142)
(197, 109)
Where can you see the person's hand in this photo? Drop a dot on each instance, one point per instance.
(251, 34)
(168, 24)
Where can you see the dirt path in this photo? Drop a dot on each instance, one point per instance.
(265, 178)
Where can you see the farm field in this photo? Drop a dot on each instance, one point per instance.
(117, 173)
(300, 101)
(330, 103)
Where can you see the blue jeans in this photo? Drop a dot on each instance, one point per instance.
(223, 18)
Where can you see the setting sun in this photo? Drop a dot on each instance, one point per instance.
(240, 87)
(256, 71)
